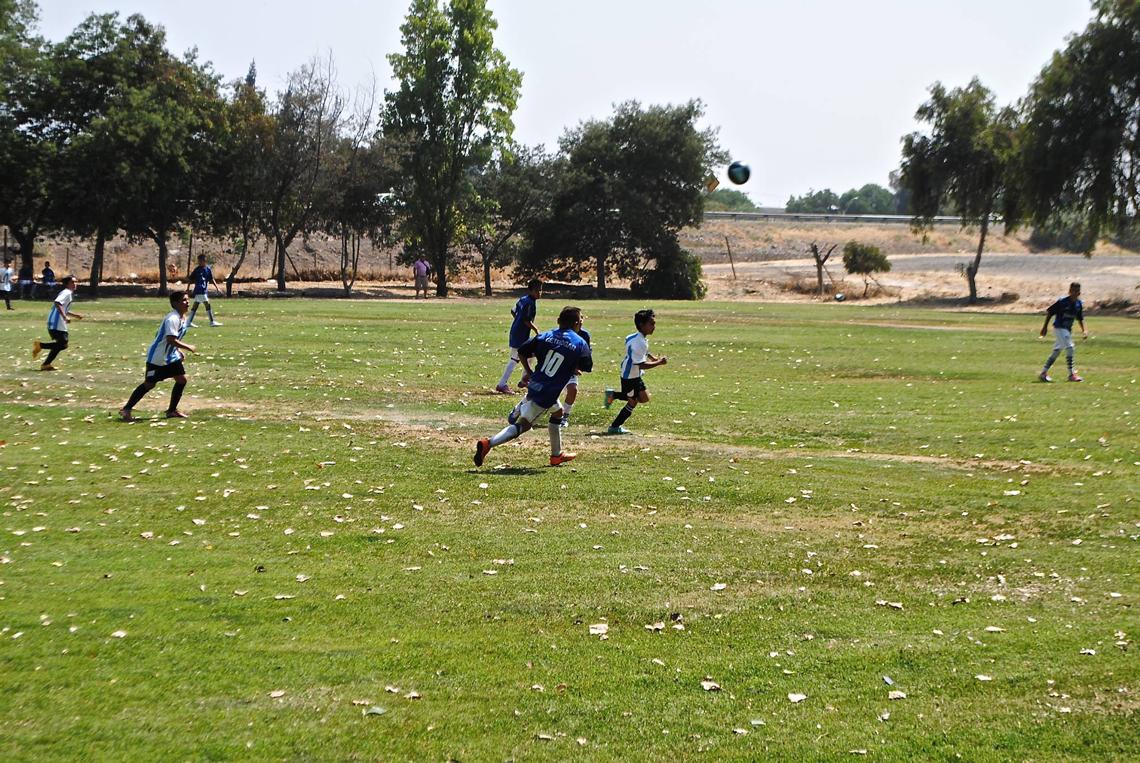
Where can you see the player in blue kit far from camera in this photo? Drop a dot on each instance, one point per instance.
(521, 328)
(560, 354)
(1063, 312)
(202, 277)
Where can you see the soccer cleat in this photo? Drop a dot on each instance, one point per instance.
(1073, 377)
(47, 367)
(125, 415)
(1044, 376)
(523, 382)
(215, 324)
(618, 430)
(482, 447)
(192, 325)
(176, 414)
(609, 397)
(562, 458)
(503, 389)
(37, 348)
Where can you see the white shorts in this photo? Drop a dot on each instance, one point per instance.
(200, 299)
(531, 411)
(1064, 339)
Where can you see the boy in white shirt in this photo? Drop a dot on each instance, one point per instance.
(164, 359)
(58, 319)
(637, 360)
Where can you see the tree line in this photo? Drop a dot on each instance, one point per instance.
(1065, 158)
(108, 132)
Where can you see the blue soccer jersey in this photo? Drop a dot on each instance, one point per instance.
(559, 354)
(202, 276)
(525, 311)
(1065, 311)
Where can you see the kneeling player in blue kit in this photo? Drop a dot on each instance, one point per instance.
(560, 353)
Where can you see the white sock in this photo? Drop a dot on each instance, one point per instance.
(555, 438)
(566, 408)
(507, 374)
(508, 433)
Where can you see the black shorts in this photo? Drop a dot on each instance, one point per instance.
(632, 386)
(155, 374)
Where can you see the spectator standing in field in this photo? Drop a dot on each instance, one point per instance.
(202, 277)
(47, 279)
(27, 281)
(524, 313)
(637, 361)
(6, 275)
(164, 359)
(1064, 311)
(420, 270)
(58, 320)
(561, 353)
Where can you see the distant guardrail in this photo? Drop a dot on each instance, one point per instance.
(827, 218)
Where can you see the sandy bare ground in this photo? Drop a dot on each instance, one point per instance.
(1035, 279)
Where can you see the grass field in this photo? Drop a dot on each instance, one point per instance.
(823, 500)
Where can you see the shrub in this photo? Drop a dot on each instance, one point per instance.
(864, 260)
(677, 275)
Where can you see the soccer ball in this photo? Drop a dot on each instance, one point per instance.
(739, 173)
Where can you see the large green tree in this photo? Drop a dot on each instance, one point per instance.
(237, 172)
(453, 105)
(626, 188)
(28, 152)
(968, 158)
(511, 195)
(1081, 149)
(299, 172)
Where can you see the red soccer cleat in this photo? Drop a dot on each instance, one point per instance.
(562, 458)
(176, 415)
(482, 448)
(1073, 377)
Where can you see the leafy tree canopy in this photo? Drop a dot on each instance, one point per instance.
(1081, 147)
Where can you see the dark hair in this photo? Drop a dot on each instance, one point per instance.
(67, 278)
(176, 297)
(569, 316)
(641, 317)
(533, 284)
(201, 256)
(1075, 285)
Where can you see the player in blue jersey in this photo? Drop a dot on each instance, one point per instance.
(164, 359)
(58, 320)
(637, 361)
(560, 354)
(202, 276)
(572, 385)
(1064, 311)
(521, 327)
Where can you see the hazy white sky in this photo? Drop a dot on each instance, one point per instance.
(810, 93)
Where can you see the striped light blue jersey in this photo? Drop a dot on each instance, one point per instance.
(636, 350)
(59, 308)
(161, 353)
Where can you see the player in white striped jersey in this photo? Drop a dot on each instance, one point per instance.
(164, 359)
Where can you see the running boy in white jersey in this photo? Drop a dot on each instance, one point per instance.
(524, 313)
(637, 361)
(58, 318)
(164, 359)
(202, 277)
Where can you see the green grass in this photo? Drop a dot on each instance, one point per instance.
(333, 439)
